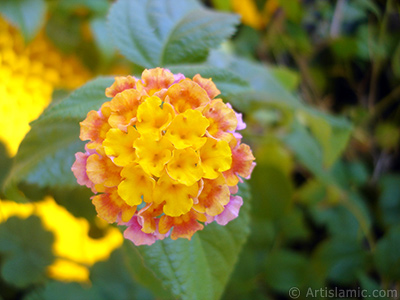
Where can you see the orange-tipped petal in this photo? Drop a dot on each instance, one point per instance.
(214, 197)
(120, 84)
(187, 94)
(222, 120)
(154, 80)
(242, 164)
(147, 217)
(208, 85)
(94, 127)
(124, 107)
(110, 206)
(102, 171)
(184, 226)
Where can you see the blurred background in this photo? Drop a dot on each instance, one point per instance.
(325, 211)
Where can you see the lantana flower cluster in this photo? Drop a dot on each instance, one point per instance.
(164, 157)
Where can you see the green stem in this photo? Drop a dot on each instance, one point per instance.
(361, 220)
(377, 61)
(386, 102)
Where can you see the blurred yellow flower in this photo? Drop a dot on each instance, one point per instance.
(28, 76)
(74, 249)
(251, 15)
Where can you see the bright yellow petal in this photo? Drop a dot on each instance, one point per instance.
(185, 167)
(153, 155)
(178, 197)
(216, 157)
(137, 186)
(153, 117)
(119, 145)
(187, 130)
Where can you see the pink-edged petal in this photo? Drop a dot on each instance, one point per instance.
(231, 211)
(79, 169)
(240, 124)
(178, 77)
(136, 235)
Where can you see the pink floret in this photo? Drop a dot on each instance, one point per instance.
(136, 235)
(231, 211)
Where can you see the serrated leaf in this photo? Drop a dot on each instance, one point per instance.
(141, 273)
(76, 106)
(46, 154)
(155, 33)
(200, 268)
(27, 250)
(27, 15)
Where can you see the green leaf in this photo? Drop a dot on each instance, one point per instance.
(267, 88)
(345, 258)
(396, 62)
(27, 250)
(143, 274)
(344, 48)
(113, 280)
(389, 199)
(226, 81)
(64, 31)
(222, 4)
(371, 287)
(307, 150)
(332, 133)
(155, 33)
(27, 15)
(285, 270)
(293, 226)
(387, 255)
(272, 200)
(66, 291)
(99, 7)
(287, 77)
(47, 153)
(340, 222)
(76, 106)
(102, 38)
(200, 268)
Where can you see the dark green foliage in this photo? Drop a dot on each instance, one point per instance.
(26, 251)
